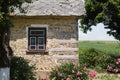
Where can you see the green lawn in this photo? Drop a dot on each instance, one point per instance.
(110, 47)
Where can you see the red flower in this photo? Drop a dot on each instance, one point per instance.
(78, 73)
(110, 68)
(116, 70)
(60, 74)
(93, 74)
(68, 78)
(118, 60)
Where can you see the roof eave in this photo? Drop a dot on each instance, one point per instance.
(77, 16)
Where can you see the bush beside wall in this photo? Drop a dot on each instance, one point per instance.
(69, 71)
(21, 70)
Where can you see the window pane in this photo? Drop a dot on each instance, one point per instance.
(41, 47)
(36, 32)
(41, 41)
(32, 40)
(32, 47)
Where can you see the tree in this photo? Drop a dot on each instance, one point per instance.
(7, 7)
(102, 11)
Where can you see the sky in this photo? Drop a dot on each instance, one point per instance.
(98, 33)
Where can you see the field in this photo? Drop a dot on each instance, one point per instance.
(109, 47)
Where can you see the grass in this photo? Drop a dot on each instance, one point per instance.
(107, 77)
(109, 47)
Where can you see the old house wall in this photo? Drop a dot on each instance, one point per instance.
(62, 38)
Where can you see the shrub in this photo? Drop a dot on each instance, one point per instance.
(114, 64)
(21, 70)
(69, 71)
(93, 58)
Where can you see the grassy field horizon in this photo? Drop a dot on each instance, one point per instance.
(109, 47)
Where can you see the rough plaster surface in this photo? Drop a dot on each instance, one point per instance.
(4, 73)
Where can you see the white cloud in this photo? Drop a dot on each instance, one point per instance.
(98, 33)
(83, 0)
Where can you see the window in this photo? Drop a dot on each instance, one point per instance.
(36, 39)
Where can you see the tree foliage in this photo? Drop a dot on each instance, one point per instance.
(102, 11)
(6, 7)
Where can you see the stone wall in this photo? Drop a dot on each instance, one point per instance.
(58, 27)
(62, 38)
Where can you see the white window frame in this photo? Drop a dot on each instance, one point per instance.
(32, 45)
(41, 45)
(36, 26)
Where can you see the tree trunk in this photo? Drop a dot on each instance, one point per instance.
(5, 49)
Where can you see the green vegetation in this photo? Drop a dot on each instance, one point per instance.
(109, 47)
(69, 71)
(102, 11)
(21, 70)
(106, 77)
(93, 58)
(101, 56)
